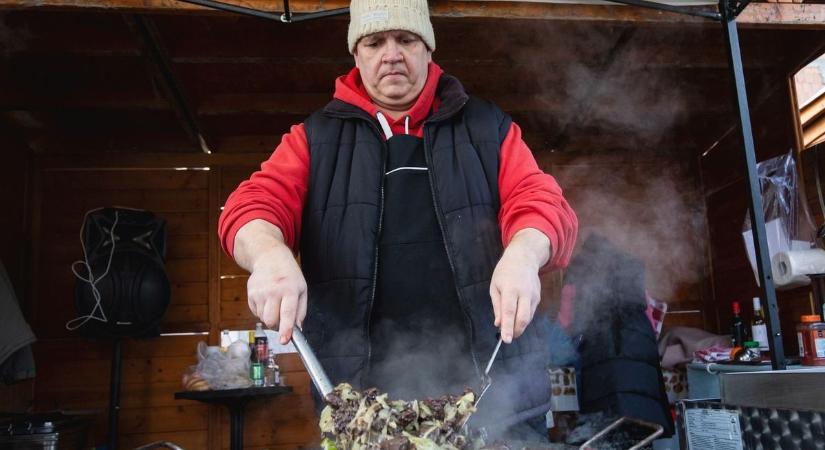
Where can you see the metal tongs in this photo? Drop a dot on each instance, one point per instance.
(316, 371)
(486, 380)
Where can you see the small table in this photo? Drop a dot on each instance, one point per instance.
(235, 400)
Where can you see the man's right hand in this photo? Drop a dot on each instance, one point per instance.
(276, 290)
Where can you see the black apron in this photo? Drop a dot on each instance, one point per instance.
(419, 343)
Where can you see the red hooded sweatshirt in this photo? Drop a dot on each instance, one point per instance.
(276, 193)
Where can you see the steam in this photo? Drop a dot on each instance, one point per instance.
(649, 210)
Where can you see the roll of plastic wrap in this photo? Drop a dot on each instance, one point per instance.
(791, 268)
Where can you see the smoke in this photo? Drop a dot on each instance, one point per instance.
(421, 360)
(651, 210)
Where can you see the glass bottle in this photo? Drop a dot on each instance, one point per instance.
(737, 329)
(759, 328)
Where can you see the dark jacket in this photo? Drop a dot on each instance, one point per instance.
(342, 223)
(620, 371)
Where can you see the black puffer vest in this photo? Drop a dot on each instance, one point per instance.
(342, 225)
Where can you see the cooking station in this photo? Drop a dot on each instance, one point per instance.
(685, 135)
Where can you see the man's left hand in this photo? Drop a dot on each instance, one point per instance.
(515, 288)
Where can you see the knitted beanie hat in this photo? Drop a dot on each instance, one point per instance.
(373, 16)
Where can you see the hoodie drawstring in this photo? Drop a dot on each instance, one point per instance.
(385, 125)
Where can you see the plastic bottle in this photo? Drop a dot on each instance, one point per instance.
(272, 373)
(810, 334)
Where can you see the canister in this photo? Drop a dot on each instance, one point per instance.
(810, 334)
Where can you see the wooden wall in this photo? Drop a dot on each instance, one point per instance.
(208, 294)
(726, 197)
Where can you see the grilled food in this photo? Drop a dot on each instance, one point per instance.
(370, 421)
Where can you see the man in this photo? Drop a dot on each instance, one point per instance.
(422, 221)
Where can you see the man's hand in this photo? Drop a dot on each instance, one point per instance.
(276, 290)
(515, 288)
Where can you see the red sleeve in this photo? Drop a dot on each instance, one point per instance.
(275, 193)
(531, 198)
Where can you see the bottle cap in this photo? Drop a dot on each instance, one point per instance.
(810, 318)
(750, 344)
(736, 307)
(757, 304)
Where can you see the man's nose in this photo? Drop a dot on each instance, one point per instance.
(393, 52)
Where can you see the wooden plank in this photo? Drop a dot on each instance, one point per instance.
(184, 439)
(77, 348)
(298, 431)
(137, 371)
(182, 314)
(214, 434)
(784, 15)
(237, 312)
(188, 270)
(65, 245)
(163, 419)
(185, 226)
(229, 268)
(234, 289)
(53, 396)
(190, 293)
(120, 179)
(757, 14)
(155, 200)
(151, 160)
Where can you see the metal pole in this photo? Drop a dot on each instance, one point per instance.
(114, 394)
(760, 242)
(235, 9)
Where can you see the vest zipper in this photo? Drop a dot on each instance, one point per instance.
(375, 251)
(468, 322)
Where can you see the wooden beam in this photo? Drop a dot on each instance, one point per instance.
(149, 160)
(784, 15)
(771, 15)
(157, 59)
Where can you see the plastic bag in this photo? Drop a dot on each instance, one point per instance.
(227, 370)
(787, 220)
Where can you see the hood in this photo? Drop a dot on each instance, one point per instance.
(350, 89)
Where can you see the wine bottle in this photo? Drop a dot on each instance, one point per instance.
(759, 329)
(737, 329)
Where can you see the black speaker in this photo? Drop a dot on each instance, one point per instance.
(129, 246)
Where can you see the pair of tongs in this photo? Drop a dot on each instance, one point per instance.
(486, 380)
(316, 371)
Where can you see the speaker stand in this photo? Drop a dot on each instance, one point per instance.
(114, 394)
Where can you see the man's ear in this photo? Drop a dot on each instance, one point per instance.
(355, 57)
(429, 56)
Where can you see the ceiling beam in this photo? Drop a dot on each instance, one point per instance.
(158, 60)
(770, 15)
